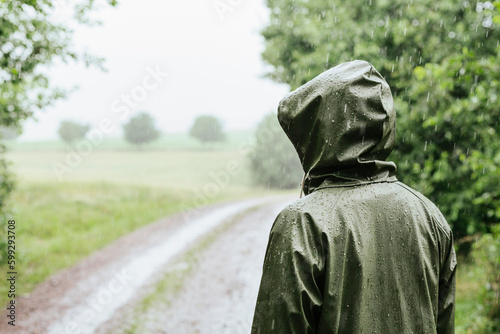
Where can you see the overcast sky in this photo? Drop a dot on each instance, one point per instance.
(212, 58)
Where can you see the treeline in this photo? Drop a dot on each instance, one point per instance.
(141, 129)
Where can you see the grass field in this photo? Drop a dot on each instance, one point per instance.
(165, 169)
(175, 161)
(166, 142)
(112, 191)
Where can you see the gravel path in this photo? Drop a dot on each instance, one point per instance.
(99, 294)
(220, 296)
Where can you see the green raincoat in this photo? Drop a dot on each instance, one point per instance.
(361, 252)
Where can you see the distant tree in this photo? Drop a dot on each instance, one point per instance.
(141, 129)
(72, 131)
(274, 162)
(207, 129)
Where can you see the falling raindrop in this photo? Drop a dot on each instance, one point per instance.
(487, 23)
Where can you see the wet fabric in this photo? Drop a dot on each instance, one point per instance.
(361, 252)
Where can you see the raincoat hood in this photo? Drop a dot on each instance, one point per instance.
(342, 124)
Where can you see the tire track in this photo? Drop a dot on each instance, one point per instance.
(219, 295)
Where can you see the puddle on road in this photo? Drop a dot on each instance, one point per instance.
(123, 284)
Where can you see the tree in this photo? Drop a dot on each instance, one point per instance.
(71, 131)
(140, 129)
(273, 160)
(30, 41)
(441, 60)
(207, 129)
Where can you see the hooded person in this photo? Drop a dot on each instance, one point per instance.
(361, 252)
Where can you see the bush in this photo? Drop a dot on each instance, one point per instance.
(207, 129)
(141, 129)
(274, 162)
(71, 131)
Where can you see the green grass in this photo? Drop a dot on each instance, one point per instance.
(468, 311)
(56, 227)
(182, 164)
(59, 224)
(109, 194)
(172, 169)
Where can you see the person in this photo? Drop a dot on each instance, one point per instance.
(361, 252)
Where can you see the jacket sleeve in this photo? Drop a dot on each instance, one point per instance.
(290, 295)
(446, 303)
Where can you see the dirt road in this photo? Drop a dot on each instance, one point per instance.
(212, 256)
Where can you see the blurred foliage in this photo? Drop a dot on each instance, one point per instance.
(141, 129)
(9, 133)
(484, 317)
(207, 129)
(486, 253)
(71, 131)
(29, 42)
(274, 162)
(441, 59)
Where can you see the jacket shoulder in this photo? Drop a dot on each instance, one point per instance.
(312, 209)
(436, 214)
